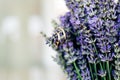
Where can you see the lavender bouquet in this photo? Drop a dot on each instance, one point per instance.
(87, 40)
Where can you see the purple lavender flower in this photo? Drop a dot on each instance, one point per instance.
(65, 20)
(102, 73)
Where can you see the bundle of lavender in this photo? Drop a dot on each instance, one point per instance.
(88, 40)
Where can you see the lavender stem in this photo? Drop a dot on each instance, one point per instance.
(77, 70)
(95, 71)
(108, 70)
(91, 71)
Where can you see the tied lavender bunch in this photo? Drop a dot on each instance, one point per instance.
(87, 40)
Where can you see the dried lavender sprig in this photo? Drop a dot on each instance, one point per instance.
(116, 73)
(65, 24)
(68, 48)
(77, 10)
(108, 39)
(87, 77)
(70, 56)
(83, 33)
(64, 56)
(111, 30)
(99, 40)
(80, 61)
(79, 30)
(82, 30)
(83, 66)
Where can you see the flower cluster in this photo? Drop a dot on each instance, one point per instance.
(88, 40)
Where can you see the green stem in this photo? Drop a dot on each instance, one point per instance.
(77, 71)
(104, 78)
(104, 65)
(108, 70)
(95, 71)
(91, 71)
(118, 61)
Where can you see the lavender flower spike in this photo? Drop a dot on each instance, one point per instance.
(116, 73)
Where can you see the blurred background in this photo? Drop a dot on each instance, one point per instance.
(23, 52)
